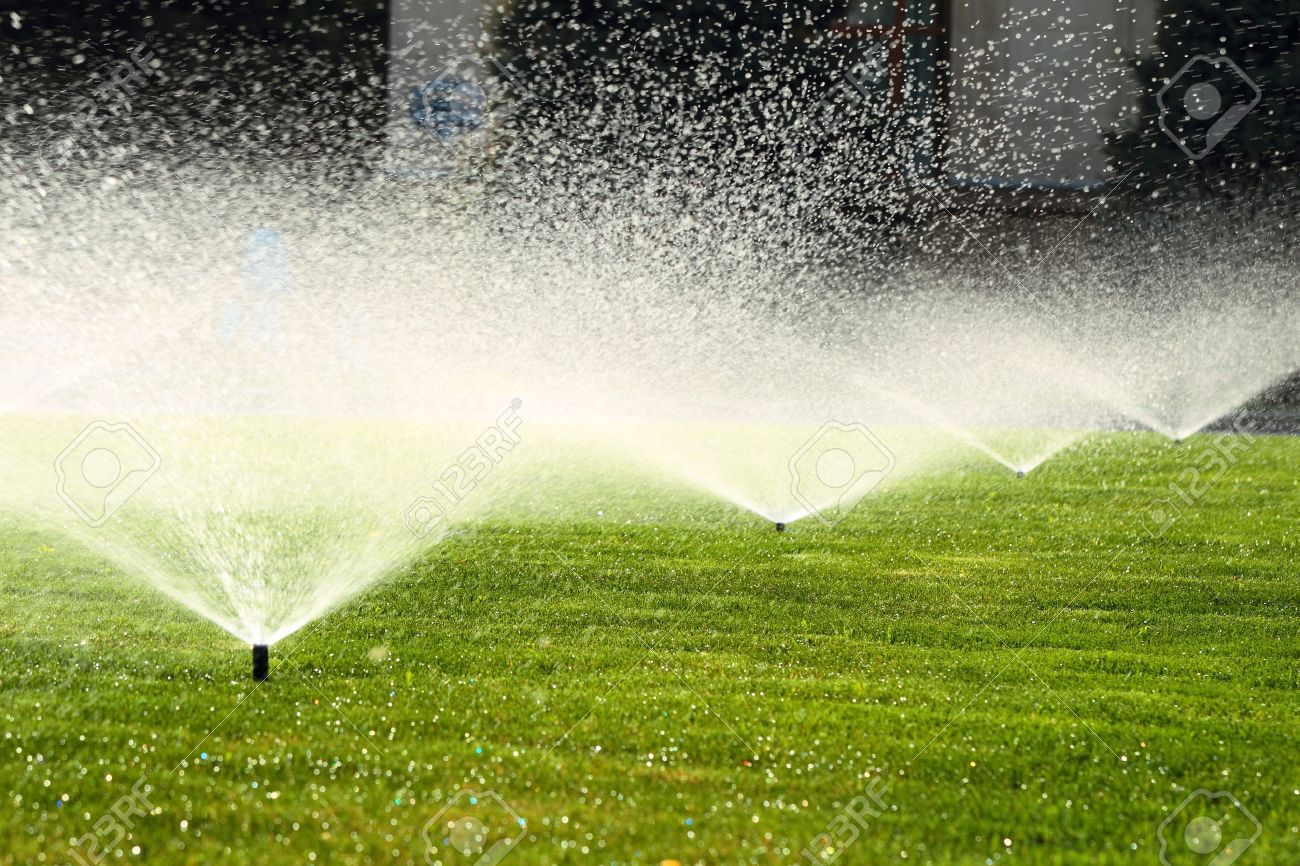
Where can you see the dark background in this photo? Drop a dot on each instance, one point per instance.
(250, 74)
(277, 78)
(309, 77)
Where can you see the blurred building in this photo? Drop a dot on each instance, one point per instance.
(1016, 92)
(1036, 83)
(1019, 92)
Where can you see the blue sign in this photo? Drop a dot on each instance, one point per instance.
(448, 107)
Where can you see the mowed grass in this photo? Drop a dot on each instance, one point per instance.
(648, 675)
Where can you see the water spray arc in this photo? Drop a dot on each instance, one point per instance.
(272, 393)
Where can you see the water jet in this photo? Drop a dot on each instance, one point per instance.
(261, 662)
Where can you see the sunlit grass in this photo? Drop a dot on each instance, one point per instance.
(646, 674)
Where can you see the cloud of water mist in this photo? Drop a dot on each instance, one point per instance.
(308, 347)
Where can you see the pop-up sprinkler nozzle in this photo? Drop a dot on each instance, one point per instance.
(1020, 473)
(780, 527)
(261, 662)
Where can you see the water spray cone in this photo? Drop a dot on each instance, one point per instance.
(261, 662)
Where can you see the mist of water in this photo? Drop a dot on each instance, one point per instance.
(243, 384)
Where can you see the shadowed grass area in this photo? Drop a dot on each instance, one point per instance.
(642, 674)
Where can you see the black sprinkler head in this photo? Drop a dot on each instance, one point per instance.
(261, 662)
(780, 527)
(1020, 473)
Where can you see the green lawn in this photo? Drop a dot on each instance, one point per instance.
(646, 674)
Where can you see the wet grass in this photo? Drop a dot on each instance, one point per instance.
(645, 675)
